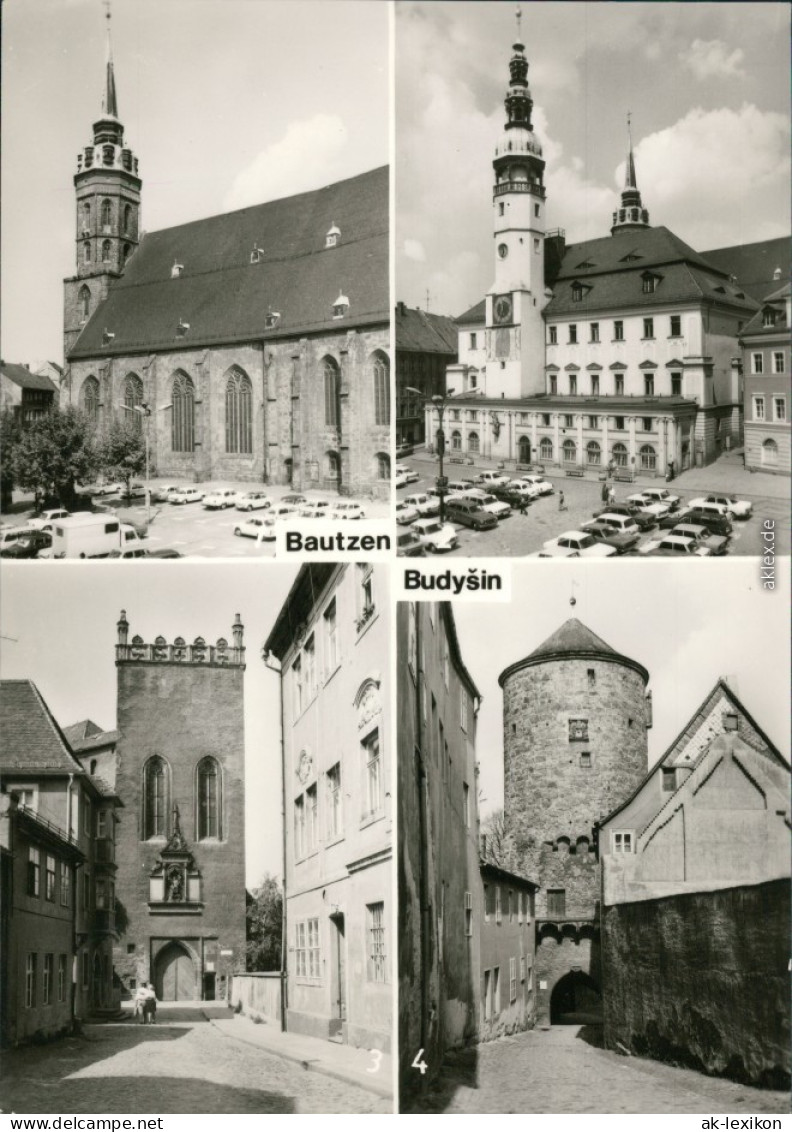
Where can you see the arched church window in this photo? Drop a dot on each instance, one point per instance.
(107, 214)
(86, 251)
(383, 466)
(86, 215)
(106, 251)
(89, 398)
(156, 790)
(84, 301)
(332, 385)
(381, 390)
(238, 409)
(183, 416)
(332, 466)
(209, 824)
(133, 397)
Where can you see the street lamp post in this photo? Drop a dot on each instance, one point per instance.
(439, 402)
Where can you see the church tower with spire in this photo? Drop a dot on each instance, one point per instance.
(107, 218)
(515, 330)
(632, 215)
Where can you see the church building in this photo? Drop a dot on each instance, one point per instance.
(252, 345)
(621, 349)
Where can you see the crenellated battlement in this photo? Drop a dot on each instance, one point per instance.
(219, 655)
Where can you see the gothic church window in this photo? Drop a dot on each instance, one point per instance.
(84, 301)
(381, 391)
(155, 798)
(209, 809)
(107, 215)
(106, 251)
(128, 219)
(332, 382)
(238, 407)
(87, 251)
(383, 466)
(89, 398)
(133, 397)
(183, 416)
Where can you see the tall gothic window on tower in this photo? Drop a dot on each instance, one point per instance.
(127, 219)
(239, 417)
(155, 798)
(89, 398)
(332, 384)
(133, 396)
(381, 390)
(84, 301)
(87, 251)
(106, 251)
(183, 417)
(107, 215)
(208, 799)
(86, 216)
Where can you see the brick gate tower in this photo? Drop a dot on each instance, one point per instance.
(180, 884)
(575, 716)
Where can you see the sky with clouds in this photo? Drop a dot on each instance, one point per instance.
(226, 103)
(707, 85)
(684, 630)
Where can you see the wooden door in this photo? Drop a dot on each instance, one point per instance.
(176, 975)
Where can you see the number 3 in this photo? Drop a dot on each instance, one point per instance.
(377, 1056)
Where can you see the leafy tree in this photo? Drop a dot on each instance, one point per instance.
(9, 435)
(264, 922)
(494, 844)
(121, 452)
(54, 453)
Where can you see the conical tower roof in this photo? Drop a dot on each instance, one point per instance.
(573, 640)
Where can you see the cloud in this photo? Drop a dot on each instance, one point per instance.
(310, 154)
(710, 58)
(414, 249)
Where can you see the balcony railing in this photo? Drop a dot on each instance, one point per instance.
(520, 187)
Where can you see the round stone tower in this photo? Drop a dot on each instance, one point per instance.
(575, 716)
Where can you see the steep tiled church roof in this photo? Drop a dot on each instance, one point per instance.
(426, 333)
(755, 264)
(573, 640)
(32, 739)
(86, 734)
(225, 298)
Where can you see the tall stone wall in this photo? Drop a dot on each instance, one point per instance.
(702, 980)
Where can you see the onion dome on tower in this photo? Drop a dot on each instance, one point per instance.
(518, 139)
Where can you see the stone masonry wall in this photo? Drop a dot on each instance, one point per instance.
(702, 980)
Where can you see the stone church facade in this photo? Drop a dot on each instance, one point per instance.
(252, 346)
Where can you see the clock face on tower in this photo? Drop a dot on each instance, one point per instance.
(502, 309)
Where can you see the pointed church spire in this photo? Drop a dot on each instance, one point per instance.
(632, 214)
(109, 103)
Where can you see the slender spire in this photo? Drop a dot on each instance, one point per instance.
(109, 103)
(631, 214)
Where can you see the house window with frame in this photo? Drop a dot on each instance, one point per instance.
(648, 328)
(498, 908)
(309, 668)
(556, 902)
(512, 979)
(34, 871)
(49, 880)
(299, 827)
(595, 335)
(31, 962)
(473, 340)
(758, 408)
(61, 978)
(101, 894)
(489, 906)
(757, 363)
(546, 449)
(373, 774)
(86, 251)
(553, 335)
(297, 685)
(522, 968)
(585, 760)
(676, 384)
(486, 995)
(595, 384)
(573, 384)
(622, 841)
(618, 331)
(463, 707)
(676, 326)
(648, 284)
(779, 408)
(577, 293)
(335, 822)
(768, 318)
(778, 361)
(209, 799)
(546, 420)
(89, 398)
(101, 820)
(331, 637)
(572, 334)
(65, 884)
(620, 450)
(593, 422)
(553, 383)
(646, 424)
(618, 383)
(376, 969)
(155, 798)
(649, 385)
(647, 458)
(332, 384)
(668, 779)
(365, 593)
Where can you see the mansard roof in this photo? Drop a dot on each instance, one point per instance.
(573, 640)
(224, 297)
(419, 331)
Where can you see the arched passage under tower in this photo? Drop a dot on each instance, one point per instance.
(575, 1000)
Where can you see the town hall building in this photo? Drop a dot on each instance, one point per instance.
(252, 345)
(621, 350)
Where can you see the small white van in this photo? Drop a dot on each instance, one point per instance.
(92, 536)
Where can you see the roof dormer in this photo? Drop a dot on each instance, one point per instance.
(340, 306)
(333, 236)
(177, 270)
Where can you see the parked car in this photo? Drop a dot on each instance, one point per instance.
(458, 486)
(10, 535)
(611, 535)
(136, 492)
(410, 545)
(717, 544)
(410, 473)
(185, 495)
(400, 479)
(462, 509)
(27, 545)
(674, 546)
(434, 535)
(489, 502)
(294, 500)
(650, 506)
(515, 491)
(406, 513)
(279, 513)
(669, 521)
(739, 508)
(220, 498)
(404, 448)
(489, 478)
(315, 509)
(252, 528)
(347, 509)
(44, 521)
(113, 488)
(716, 522)
(144, 552)
(661, 495)
(575, 544)
(543, 486)
(163, 494)
(252, 501)
(424, 503)
(643, 519)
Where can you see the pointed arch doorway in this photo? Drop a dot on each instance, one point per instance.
(174, 978)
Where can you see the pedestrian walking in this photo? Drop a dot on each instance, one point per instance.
(523, 505)
(561, 504)
(149, 1004)
(611, 495)
(605, 492)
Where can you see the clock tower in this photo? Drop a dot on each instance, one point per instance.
(515, 330)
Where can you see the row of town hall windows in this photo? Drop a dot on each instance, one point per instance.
(591, 453)
(648, 328)
(651, 386)
(308, 960)
(310, 813)
(760, 402)
(518, 905)
(208, 799)
(48, 877)
(778, 362)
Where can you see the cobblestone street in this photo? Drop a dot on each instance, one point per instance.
(184, 1064)
(558, 1071)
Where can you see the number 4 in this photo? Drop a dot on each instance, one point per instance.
(418, 1063)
